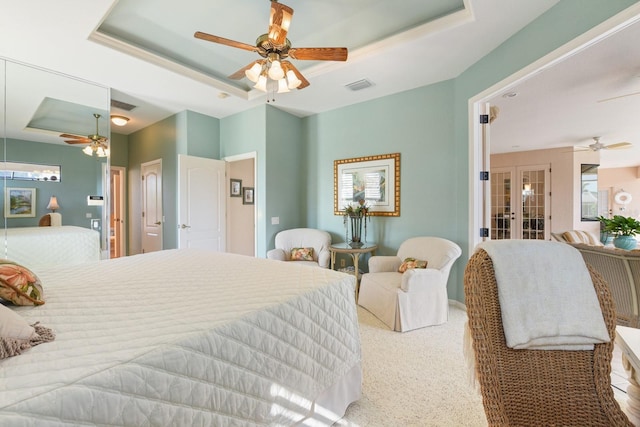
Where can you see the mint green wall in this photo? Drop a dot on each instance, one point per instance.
(245, 133)
(286, 176)
(119, 150)
(157, 141)
(199, 135)
(417, 124)
(76, 168)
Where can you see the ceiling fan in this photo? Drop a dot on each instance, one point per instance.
(275, 47)
(97, 142)
(597, 145)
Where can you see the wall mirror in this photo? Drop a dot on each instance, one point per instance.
(39, 106)
(589, 193)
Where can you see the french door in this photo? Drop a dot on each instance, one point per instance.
(520, 202)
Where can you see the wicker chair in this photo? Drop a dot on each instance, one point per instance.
(537, 387)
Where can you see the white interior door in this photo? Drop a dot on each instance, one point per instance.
(201, 200)
(152, 214)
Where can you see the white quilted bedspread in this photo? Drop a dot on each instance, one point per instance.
(182, 338)
(38, 248)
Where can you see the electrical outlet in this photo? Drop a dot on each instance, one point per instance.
(342, 263)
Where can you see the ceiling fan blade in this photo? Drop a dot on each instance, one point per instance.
(319, 53)
(77, 141)
(70, 135)
(226, 42)
(279, 21)
(290, 66)
(618, 145)
(240, 73)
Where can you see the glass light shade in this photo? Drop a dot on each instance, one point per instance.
(53, 203)
(88, 150)
(293, 80)
(119, 120)
(262, 83)
(101, 152)
(282, 86)
(275, 71)
(253, 73)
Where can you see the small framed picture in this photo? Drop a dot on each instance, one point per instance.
(247, 195)
(19, 202)
(236, 188)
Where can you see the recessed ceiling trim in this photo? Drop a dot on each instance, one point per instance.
(152, 58)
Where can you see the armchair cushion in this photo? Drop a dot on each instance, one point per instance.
(302, 254)
(410, 263)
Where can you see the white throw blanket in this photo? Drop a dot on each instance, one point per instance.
(546, 295)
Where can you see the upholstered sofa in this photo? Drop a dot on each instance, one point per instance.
(621, 270)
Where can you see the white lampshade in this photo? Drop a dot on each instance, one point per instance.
(53, 203)
(262, 83)
(282, 86)
(293, 80)
(88, 150)
(101, 152)
(253, 73)
(275, 71)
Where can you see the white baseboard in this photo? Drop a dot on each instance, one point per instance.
(458, 304)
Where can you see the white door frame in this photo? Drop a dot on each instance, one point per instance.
(122, 211)
(627, 17)
(250, 155)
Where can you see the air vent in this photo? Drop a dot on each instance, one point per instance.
(122, 105)
(359, 85)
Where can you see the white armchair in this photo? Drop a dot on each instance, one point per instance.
(416, 298)
(286, 240)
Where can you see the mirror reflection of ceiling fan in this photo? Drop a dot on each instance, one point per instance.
(597, 145)
(275, 47)
(97, 143)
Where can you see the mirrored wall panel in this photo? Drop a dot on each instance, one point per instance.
(59, 127)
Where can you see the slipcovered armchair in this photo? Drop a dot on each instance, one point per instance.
(416, 297)
(303, 238)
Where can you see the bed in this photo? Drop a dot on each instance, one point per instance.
(43, 247)
(187, 337)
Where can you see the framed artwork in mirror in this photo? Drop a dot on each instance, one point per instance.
(19, 202)
(236, 188)
(374, 179)
(247, 196)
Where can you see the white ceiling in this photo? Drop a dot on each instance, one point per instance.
(593, 93)
(145, 51)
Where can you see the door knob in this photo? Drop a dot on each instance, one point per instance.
(185, 226)
(157, 223)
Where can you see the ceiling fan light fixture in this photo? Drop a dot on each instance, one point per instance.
(88, 150)
(292, 80)
(119, 120)
(262, 83)
(254, 72)
(275, 70)
(282, 86)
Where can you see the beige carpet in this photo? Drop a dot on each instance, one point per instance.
(416, 378)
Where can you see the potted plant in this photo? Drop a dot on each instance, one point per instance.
(606, 234)
(624, 229)
(356, 215)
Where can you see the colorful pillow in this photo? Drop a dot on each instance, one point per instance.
(411, 263)
(19, 285)
(302, 254)
(16, 335)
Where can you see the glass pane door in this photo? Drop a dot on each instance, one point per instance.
(534, 203)
(501, 210)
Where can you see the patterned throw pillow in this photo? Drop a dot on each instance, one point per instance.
(411, 263)
(302, 254)
(19, 285)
